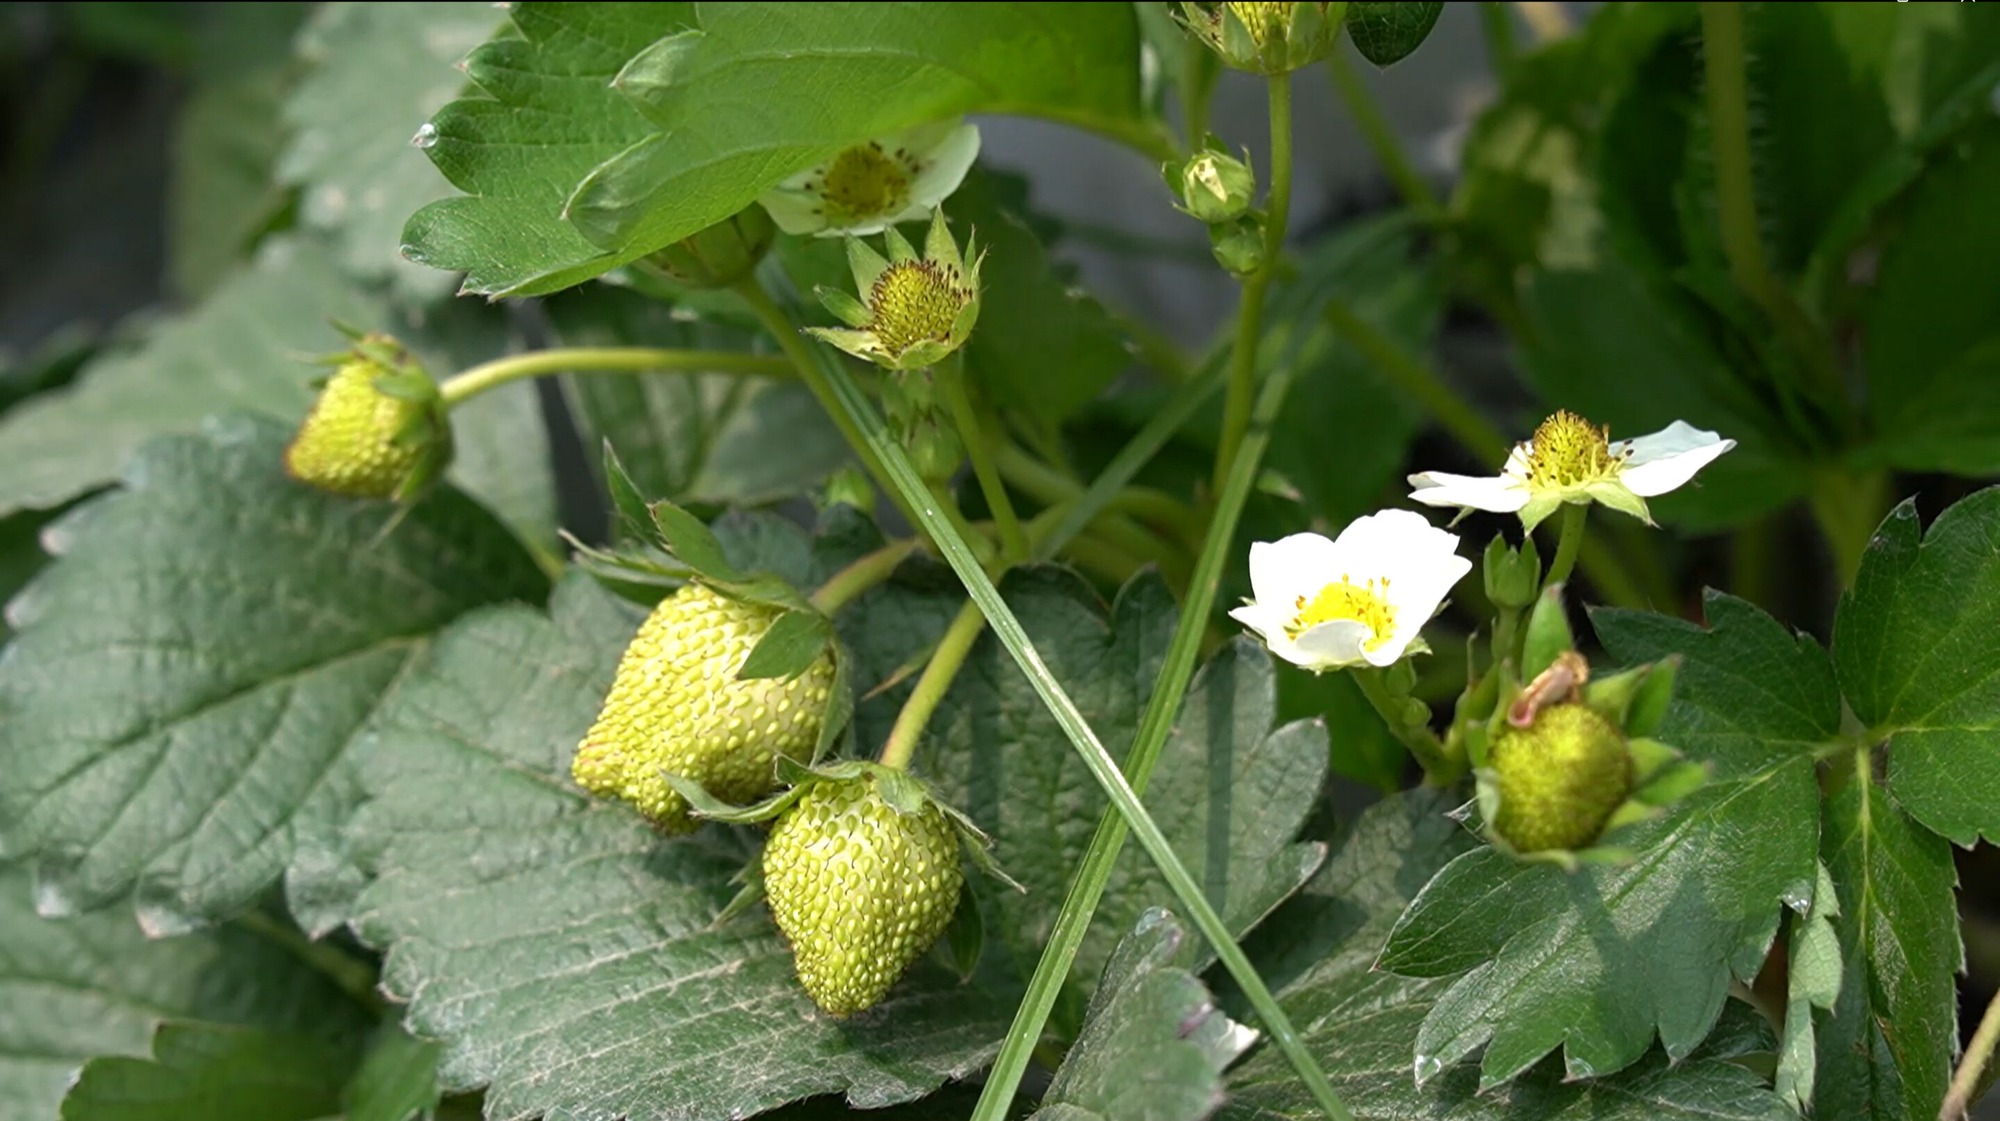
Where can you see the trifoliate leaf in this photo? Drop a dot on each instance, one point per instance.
(187, 679)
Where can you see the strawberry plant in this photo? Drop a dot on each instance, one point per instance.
(738, 628)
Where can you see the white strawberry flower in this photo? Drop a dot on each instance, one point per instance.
(871, 186)
(1361, 598)
(1571, 460)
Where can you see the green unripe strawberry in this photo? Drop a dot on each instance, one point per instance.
(677, 707)
(377, 430)
(859, 888)
(1560, 778)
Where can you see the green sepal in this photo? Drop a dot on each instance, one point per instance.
(844, 307)
(410, 385)
(791, 645)
(1656, 692)
(750, 892)
(839, 710)
(708, 807)
(692, 543)
(635, 517)
(1547, 633)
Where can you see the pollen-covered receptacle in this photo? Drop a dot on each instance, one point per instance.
(867, 187)
(913, 310)
(1560, 778)
(677, 707)
(378, 429)
(1266, 37)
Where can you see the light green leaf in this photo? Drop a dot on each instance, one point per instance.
(700, 439)
(1361, 1022)
(378, 71)
(1914, 642)
(1600, 961)
(95, 985)
(187, 678)
(765, 91)
(1153, 1046)
(542, 114)
(1885, 1051)
(247, 348)
(1814, 965)
(203, 1071)
(397, 1079)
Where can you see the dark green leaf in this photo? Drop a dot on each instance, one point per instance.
(1914, 642)
(397, 1079)
(701, 439)
(1361, 1022)
(71, 989)
(1385, 33)
(377, 72)
(1886, 1049)
(542, 115)
(1600, 961)
(203, 1071)
(1153, 1046)
(794, 640)
(1360, 746)
(764, 91)
(182, 694)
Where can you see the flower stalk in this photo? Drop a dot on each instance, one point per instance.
(1250, 313)
(475, 380)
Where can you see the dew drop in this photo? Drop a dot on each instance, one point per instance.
(426, 137)
(1426, 1068)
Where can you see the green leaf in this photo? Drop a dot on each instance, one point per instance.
(1600, 961)
(762, 92)
(247, 348)
(1914, 644)
(1813, 964)
(1361, 1022)
(1386, 33)
(794, 640)
(220, 197)
(699, 439)
(377, 72)
(541, 115)
(204, 1071)
(1360, 746)
(187, 679)
(1886, 1049)
(96, 985)
(1153, 1045)
(397, 1079)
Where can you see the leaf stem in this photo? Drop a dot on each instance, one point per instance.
(1498, 24)
(1847, 507)
(1440, 767)
(951, 384)
(1007, 628)
(1250, 312)
(842, 587)
(1050, 485)
(1381, 138)
(1574, 514)
(353, 976)
(1965, 1081)
(606, 359)
(931, 687)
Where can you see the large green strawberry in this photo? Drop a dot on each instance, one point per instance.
(1560, 778)
(377, 430)
(860, 888)
(677, 707)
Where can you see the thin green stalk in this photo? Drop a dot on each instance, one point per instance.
(1965, 1081)
(951, 383)
(1574, 514)
(1250, 313)
(932, 686)
(1381, 138)
(1158, 508)
(1007, 628)
(842, 587)
(1049, 485)
(1094, 872)
(1498, 25)
(1440, 767)
(607, 359)
(1847, 508)
(350, 974)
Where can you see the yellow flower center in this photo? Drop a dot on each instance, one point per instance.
(864, 182)
(1363, 603)
(1568, 451)
(914, 301)
(1263, 20)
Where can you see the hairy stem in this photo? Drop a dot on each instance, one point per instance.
(606, 359)
(932, 686)
(1574, 514)
(842, 587)
(1250, 312)
(1965, 1081)
(1440, 767)
(951, 383)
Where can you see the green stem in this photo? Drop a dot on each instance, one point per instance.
(951, 383)
(1440, 768)
(842, 587)
(1574, 514)
(1381, 138)
(1965, 1081)
(1250, 312)
(1048, 485)
(352, 975)
(931, 687)
(1093, 873)
(608, 359)
(1847, 508)
(1007, 628)
(1498, 24)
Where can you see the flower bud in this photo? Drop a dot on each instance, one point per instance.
(1239, 246)
(1513, 576)
(1266, 38)
(1217, 187)
(720, 255)
(911, 311)
(378, 429)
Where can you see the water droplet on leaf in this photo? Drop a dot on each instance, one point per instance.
(426, 137)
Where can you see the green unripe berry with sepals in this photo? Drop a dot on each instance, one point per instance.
(1560, 778)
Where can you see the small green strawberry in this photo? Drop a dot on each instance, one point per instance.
(1560, 778)
(677, 707)
(378, 429)
(859, 887)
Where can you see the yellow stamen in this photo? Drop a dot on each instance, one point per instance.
(913, 301)
(865, 182)
(1366, 604)
(1568, 451)
(1262, 20)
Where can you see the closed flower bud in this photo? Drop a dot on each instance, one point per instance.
(1513, 576)
(378, 429)
(1217, 187)
(1239, 246)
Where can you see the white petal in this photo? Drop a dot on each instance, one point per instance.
(943, 168)
(1420, 581)
(1669, 458)
(797, 181)
(1281, 571)
(1497, 494)
(1269, 626)
(1379, 544)
(1330, 645)
(796, 212)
